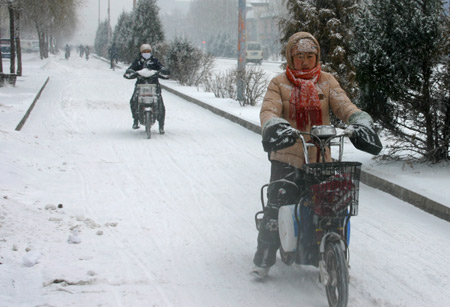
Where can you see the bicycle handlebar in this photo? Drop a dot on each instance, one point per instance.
(144, 74)
(322, 137)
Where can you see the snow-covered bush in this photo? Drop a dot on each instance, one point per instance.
(255, 85)
(187, 64)
(223, 85)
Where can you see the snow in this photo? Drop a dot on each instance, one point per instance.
(170, 221)
(421, 178)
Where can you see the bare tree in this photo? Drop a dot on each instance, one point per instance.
(54, 20)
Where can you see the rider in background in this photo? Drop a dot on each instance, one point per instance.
(299, 98)
(81, 48)
(146, 60)
(67, 54)
(87, 52)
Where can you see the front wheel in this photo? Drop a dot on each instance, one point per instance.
(336, 266)
(148, 124)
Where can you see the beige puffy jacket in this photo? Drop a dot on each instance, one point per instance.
(276, 104)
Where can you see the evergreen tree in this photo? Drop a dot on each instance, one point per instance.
(101, 39)
(400, 50)
(147, 27)
(122, 37)
(331, 22)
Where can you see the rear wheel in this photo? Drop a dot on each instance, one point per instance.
(148, 124)
(337, 288)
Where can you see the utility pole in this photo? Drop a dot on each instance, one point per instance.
(241, 52)
(134, 4)
(98, 12)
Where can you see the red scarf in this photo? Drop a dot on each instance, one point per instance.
(305, 105)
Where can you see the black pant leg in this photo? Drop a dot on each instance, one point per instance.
(268, 237)
(134, 105)
(162, 113)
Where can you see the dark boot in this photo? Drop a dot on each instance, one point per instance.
(135, 124)
(268, 240)
(266, 253)
(162, 116)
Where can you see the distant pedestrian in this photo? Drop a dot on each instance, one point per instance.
(81, 49)
(113, 55)
(67, 54)
(86, 50)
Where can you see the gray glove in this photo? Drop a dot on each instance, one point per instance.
(363, 135)
(277, 134)
(130, 74)
(361, 118)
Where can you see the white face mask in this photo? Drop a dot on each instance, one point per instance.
(146, 55)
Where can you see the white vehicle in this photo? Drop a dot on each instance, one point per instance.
(254, 53)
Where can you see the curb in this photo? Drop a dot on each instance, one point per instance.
(25, 117)
(233, 118)
(95, 56)
(411, 197)
(417, 200)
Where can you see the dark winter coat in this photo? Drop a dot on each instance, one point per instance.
(112, 52)
(152, 63)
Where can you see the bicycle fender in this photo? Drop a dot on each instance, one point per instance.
(330, 236)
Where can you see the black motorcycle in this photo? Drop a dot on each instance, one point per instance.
(148, 95)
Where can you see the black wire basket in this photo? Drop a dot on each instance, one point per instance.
(334, 187)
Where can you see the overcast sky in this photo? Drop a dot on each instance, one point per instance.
(89, 16)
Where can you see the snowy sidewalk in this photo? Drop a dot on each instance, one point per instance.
(15, 101)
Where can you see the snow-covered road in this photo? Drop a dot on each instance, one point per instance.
(170, 221)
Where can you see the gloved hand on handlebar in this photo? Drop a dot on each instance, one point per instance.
(362, 134)
(164, 73)
(130, 74)
(277, 134)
